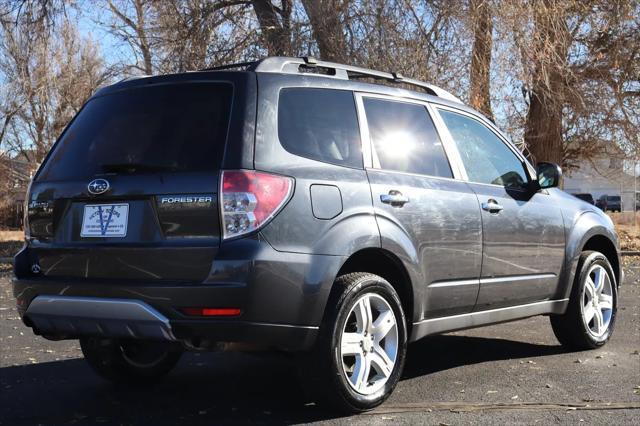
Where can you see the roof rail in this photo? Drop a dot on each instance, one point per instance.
(278, 64)
(247, 65)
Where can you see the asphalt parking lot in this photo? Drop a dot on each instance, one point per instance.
(511, 373)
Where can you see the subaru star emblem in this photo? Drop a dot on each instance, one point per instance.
(98, 186)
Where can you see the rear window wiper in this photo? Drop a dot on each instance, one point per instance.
(137, 167)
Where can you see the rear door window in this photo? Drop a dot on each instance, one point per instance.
(405, 139)
(320, 124)
(171, 127)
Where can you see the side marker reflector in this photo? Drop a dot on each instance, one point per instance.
(211, 312)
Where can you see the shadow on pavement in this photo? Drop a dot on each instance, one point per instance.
(438, 353)
(211, 388)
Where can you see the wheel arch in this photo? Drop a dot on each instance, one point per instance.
(604, 245)
(590, 231)
(383, 263)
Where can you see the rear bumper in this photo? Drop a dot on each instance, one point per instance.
(282, 297)
(68, 317)
(74, 316)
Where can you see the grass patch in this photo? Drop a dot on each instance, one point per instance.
(10, 242)
(628, 227)
(11, 235)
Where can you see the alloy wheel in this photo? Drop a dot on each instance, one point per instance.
(369, 344)
(597, 301)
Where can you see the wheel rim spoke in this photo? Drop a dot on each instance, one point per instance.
(590, 289)
(605, 302)
(351, 344)
(599, 279)
(589, 313)
(598, 321)
(382, 362)
(383, 324)
(361, 373)
(364, 314)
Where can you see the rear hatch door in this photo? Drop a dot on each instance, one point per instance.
(129, 192)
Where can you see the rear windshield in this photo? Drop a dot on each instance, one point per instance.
(613, 198)
(180, 127)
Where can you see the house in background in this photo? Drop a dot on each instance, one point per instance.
(15, 175)
(604, 176)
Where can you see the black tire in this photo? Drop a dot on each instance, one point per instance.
(129, 361)
(326, 379)
(570, 329)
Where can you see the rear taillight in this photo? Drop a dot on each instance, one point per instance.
(38, 219)
(249, 199)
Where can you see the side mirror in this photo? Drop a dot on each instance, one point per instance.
(549, 175)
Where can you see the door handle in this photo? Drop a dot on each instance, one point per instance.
(395, 198)
(492, 206)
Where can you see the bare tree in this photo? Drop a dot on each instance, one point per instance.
(79, 70)
(579, 68)
(424, 40)
(602, 115)
(25, 63)
(49, 75)
(184, 35)
(482, 22)
(543, 132)
(43, 13)
(275, 25)
(130, 24)
(576, 62)
(327, 24)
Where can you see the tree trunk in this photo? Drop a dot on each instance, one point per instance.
(275, 26)
(482, 19)
(142, 35)
(326, 24)
(543, 127)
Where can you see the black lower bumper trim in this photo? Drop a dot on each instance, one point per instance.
(281, 336)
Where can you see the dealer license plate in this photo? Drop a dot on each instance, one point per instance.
(105, 220)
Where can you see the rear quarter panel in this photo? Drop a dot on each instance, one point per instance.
(296, 228)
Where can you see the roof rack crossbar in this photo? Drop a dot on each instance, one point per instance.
(291, 65)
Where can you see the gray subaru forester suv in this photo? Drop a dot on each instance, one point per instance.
(291, 204)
